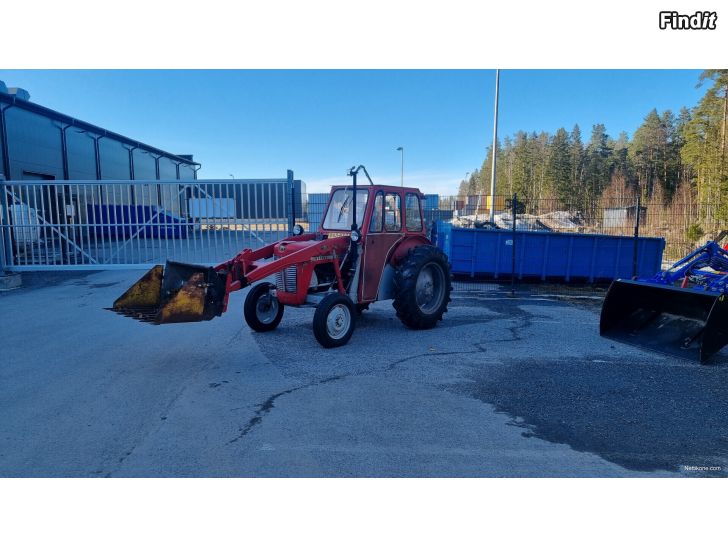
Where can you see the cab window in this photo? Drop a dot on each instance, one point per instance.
(340, 213)
(392, 212)
(412, 212)
(375, 225)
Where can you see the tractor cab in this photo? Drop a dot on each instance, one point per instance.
(379, 209)
(388, 221)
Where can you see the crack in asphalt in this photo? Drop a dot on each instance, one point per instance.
(524, 317)
(267, 406)
(514, 313)
(393, 365)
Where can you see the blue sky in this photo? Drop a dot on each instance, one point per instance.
(260, 123)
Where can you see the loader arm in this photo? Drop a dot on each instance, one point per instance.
(181, 292)
(254, 265)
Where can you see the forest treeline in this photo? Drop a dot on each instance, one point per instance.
(673, 157)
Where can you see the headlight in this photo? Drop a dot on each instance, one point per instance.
(355, 235)
(298, 229)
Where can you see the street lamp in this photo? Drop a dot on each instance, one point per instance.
(401, 175)
(495, 149)
(231, 176)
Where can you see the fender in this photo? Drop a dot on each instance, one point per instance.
(400, 249)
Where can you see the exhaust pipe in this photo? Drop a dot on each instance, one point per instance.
(177, 292)
(683, 322)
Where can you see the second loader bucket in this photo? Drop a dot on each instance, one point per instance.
(683, 322)
(177, 292)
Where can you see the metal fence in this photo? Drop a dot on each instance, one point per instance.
(680, 223)
(134, 223)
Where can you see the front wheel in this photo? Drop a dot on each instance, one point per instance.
(422, 287)
(334, 320)
(262, 310)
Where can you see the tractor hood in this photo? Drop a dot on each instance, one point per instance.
(324, 247)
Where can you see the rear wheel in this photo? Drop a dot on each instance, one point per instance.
(262, 310)
(334, 320)
(422, 287)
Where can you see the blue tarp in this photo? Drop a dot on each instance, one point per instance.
(123, 221)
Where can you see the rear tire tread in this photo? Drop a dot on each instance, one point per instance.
(405, 280)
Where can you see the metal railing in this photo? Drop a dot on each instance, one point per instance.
(49, 224)
(56, 224)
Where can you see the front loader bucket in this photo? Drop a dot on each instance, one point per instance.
(177, 292)
(681, 322)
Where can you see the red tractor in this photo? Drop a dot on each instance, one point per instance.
(372, 245)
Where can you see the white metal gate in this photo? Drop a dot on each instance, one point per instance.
(93, 224)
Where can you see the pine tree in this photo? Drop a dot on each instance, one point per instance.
(521, 166)
(596, 166)
(684, 170)
(559, 168)
(621, 165)
(704, 148)
(720, 77)
(501, 176)
(645, 152)
(577, 167)
(654, 154)
(540, 150)
(474, 183)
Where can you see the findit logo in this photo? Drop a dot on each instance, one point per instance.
(700, 20)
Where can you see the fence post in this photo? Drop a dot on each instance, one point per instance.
(291, 212)
(5, 243)
(636, 236)
(513, 245)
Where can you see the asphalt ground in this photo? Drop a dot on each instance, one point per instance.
(504, 386)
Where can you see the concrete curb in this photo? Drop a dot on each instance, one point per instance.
(11, 281)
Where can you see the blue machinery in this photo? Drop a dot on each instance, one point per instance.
(682, 311)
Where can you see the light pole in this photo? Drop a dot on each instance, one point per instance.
(401, 175)
(231, 176)
(495, 144)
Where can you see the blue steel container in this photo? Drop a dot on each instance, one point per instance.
(546, 255)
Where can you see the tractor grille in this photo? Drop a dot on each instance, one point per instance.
(286, 279)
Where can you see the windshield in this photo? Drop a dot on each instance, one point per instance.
(339, 215)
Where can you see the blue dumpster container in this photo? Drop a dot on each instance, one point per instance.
(547, 256)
